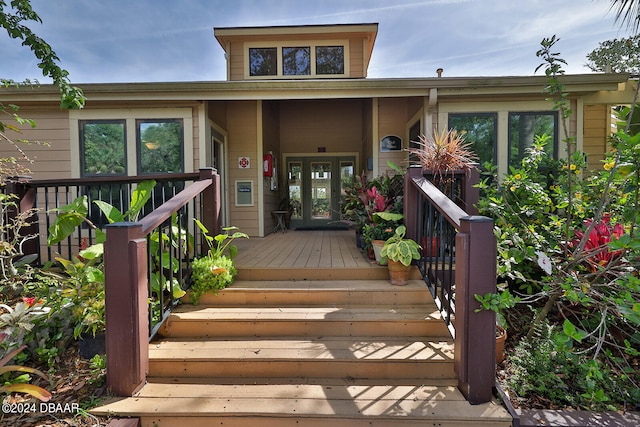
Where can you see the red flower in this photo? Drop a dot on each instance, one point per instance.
(30, 301)
(601, 234)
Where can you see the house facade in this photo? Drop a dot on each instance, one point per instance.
(297, 117)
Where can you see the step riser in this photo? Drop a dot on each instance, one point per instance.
(302, 274)
(232, 297)
(239, 328)
(356, 369)
(287, 421)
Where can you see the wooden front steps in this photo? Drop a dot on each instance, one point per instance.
(305, 353)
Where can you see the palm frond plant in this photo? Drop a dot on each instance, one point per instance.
(443, 152)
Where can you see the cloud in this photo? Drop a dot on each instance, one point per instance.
(163, 40)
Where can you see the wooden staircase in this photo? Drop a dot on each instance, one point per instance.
(305, 352)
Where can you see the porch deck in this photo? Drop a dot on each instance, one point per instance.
(302, 249)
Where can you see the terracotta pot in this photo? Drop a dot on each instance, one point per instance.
(501, 337)
(430, 246)
(398, 273)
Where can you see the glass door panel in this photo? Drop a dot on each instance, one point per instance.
(295, 189)
(321, 194)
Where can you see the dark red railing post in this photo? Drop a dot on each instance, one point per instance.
(126, 308)
(211, 201)
(471, 191)
(475, 350)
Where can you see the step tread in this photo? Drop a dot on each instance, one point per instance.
(304, 400)
(322, 348)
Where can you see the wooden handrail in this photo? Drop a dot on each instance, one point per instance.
(127, 283)
(472, 254)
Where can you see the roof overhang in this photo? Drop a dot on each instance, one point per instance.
(447, 87)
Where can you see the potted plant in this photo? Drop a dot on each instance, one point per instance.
(497, 302)
(400, 252)
(216, 270)
(377, 232)
(443, 152)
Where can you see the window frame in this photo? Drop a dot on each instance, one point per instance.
(492, 114)
(129, 115)
(139, 122)
(554, 137)
(82, 150)
(311, 44)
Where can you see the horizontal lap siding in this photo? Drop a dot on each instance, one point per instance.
(51, 156)
(242, 116)
(596, 130)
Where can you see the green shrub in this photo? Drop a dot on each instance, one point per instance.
(210, 275)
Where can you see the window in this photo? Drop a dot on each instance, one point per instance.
(159, 146)
(296, 61)
(524, 128)
(263, 61)
(329, 60)
(102, 147)
(480, 132)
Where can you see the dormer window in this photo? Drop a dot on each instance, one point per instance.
(301, 60)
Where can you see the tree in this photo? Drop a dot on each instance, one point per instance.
(13, 18)
(627, 12)
(617, 56)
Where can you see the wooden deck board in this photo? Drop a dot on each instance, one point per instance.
(302, 249)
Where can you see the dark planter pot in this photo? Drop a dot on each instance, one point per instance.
(90, 345)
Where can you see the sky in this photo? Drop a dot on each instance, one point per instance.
(172, 40)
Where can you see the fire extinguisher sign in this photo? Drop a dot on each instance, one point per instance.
(244, 162)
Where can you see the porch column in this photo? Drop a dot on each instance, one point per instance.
(475, 358)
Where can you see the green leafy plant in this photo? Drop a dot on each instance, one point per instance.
(16, 322)
(216, 270)
(568, 248)
(399, 249)
(18, 385)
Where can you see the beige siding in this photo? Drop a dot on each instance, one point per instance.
(596, 126)
(49, 148)
(236, 61)
(271, 143)
(333, 124)
(392, 120)
(242, 128)
(356, 58)
(367, 137)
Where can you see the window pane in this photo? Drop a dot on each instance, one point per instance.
(296, 61)
(480, 132)
(263, 61)
(102, 147)
(523, 130)
(295, 189)
(329, 60)
(159, 146)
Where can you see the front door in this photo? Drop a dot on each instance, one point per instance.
(315, 186)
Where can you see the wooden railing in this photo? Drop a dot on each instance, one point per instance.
(458, 261)
(52, 194)
(129, 297)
